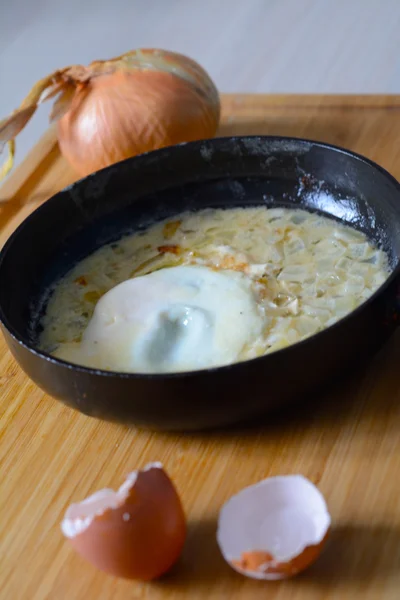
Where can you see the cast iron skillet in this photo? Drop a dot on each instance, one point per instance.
(222, 172)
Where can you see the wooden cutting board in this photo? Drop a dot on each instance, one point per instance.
(349, 444)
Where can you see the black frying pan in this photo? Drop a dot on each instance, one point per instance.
(216, 173)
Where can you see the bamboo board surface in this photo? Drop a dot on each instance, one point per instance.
(349, 444)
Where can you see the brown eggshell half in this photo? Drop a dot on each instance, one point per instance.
(275, 528)
(138, 534)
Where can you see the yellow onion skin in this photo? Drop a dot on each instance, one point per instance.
(153, 100)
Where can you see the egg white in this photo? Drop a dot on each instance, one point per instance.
(176, 319)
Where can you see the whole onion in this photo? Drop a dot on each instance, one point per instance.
(111, 110)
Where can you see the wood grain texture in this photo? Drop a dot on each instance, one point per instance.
(347, 442)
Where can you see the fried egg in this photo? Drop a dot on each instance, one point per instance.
(176, 319)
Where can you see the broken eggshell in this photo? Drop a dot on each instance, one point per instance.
(275, 528)
(137, 532)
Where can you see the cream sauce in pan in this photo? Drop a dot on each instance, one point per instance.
(210, 288)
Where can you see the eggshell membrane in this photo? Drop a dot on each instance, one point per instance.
(137, 532)
(274, 529)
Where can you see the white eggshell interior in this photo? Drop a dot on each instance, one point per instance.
(80, 515)
(280, 515)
